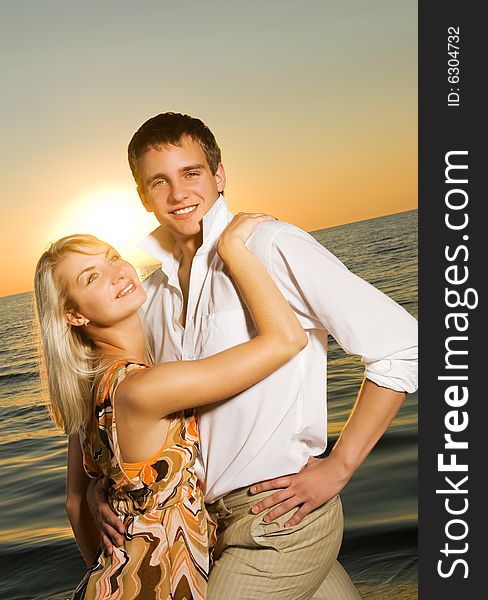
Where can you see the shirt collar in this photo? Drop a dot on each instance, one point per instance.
(161, 245)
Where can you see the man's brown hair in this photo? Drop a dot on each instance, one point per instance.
(168, 129)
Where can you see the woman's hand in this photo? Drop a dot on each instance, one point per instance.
(239, 229)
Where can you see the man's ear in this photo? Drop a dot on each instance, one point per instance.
(146, 203)
(220, 178)
(76, 319)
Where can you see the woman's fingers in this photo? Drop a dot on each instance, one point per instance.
(238, 232)
(255, 216)
(243, 224)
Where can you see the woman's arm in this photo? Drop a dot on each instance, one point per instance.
(79, 515)
(169, 387)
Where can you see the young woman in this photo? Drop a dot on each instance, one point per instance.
(130, 414)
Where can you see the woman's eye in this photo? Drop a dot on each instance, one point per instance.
(114, 258)
(92, 277)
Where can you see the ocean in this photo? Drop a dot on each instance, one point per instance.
(39, 558)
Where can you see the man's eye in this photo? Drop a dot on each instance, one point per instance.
(159, 182)
(191, 174)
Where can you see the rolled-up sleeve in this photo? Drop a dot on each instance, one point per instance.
(363, 320)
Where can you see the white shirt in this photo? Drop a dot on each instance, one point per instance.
(273, 428)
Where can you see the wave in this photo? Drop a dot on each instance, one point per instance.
(382, 562)
(40, 571)
(18, 412)
(19, 377)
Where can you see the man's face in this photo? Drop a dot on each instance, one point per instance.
(178, 186)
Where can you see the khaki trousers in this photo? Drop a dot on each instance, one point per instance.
(256, 560)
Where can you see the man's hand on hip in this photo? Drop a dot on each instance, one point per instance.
(319, 481)
(322, 478)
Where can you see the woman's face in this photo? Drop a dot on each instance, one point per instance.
(104, 288)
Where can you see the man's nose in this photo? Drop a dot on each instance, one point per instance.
(179, 191)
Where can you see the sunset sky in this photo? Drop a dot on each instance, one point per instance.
(314, 105)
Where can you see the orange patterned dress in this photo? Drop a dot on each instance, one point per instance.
(166, 551)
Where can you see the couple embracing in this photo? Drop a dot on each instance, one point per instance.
(196, 403)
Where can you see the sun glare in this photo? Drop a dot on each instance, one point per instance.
(115, 215)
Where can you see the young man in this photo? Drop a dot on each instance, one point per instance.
(272, 432)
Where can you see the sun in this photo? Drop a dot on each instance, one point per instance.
(113, 214)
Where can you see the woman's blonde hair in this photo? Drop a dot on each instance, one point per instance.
(69, 361)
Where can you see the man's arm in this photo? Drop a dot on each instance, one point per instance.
(79, 516)
(91, 517)
(326, 295)
(363, 321)
(321, 479)
(110, 527)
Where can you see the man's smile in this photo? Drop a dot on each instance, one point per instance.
(184, 211)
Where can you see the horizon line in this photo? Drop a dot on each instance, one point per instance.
(312, 231)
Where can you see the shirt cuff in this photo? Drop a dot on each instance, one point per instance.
(396, 374)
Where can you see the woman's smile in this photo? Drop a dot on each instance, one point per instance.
(125, 291)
